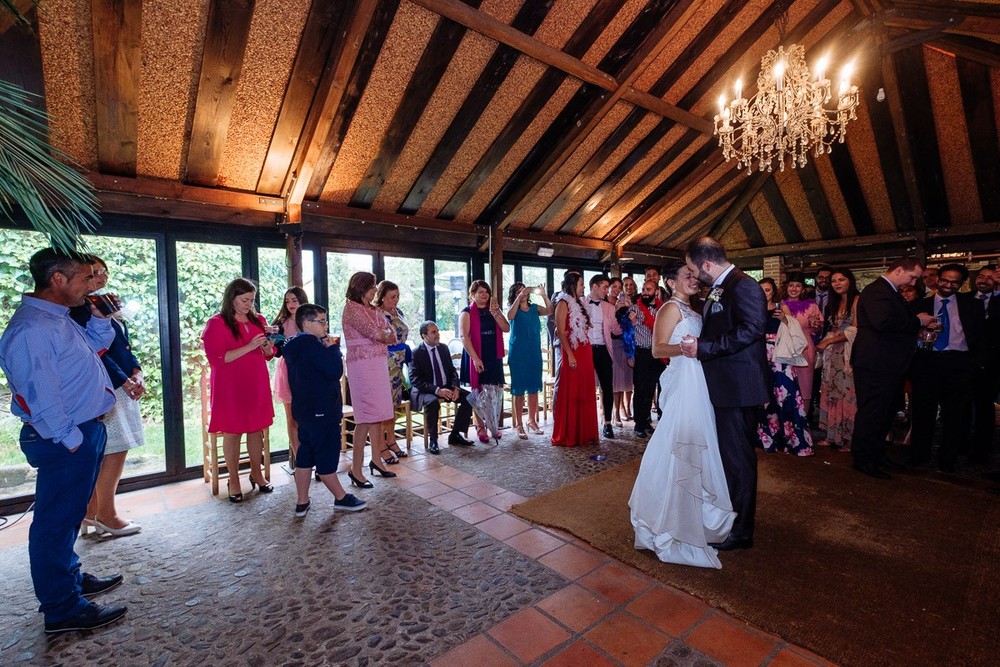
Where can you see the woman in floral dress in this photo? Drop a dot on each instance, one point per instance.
(782, 426)
(838, 403)
(387, 299)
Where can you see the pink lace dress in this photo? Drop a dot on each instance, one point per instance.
(282, 392)
(367, 370)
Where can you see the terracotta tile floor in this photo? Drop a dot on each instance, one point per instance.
(608, 614)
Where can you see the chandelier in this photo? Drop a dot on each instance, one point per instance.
(790, 114)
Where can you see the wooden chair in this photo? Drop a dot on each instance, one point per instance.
(214, 464)
(548, 381)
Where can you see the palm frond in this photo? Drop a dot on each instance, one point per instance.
(56, 199)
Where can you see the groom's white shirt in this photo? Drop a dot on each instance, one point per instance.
(722, 276)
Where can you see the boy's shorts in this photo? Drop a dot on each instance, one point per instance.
(319, 446)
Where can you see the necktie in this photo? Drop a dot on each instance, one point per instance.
(436, 366)
(943, 321)
(985, 298)
(596, 303)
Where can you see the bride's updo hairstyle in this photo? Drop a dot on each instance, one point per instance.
(570, 280)
(670, 272)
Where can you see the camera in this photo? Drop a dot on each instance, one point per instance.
(106, 304)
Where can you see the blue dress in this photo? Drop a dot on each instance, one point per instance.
(782, 425)
(493, 365)
(525, 356)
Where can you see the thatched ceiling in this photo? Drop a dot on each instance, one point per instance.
(577, 121)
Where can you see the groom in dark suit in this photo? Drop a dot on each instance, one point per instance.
(432, 380)
(734, 358)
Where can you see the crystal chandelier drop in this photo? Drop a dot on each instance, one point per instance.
(791, 113)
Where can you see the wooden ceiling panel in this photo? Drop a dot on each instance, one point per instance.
(766, 222)
(404, 45)
(271, 46)
(523, 77)
(686, 208)
(791, 189)
(598, 185)
(701, 215)
(626, 15)
(172, 37)
(677, 48)
(952, 138)
(735, 238)
(834, 195)
(562, 20)
(554, 186)
(518, 151)
(458, 82)
(861, 144)
(68, 64)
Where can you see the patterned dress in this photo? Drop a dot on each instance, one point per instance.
(399, 355)
(782, 426)
(838, 404)
(367, 371)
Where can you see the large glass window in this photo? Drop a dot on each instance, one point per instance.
(203, 271)
(451, 287)
(535, 275)
(408, 273)
(339, 268)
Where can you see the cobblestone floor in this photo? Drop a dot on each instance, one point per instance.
(435, 572)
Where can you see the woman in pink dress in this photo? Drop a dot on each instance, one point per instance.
(238, 349)
(367, 337)
(809, 317)
(285, 322)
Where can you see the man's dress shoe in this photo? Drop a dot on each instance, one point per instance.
(873, 471)
(92, 585)
(732, 543)
(92, 616)
(433, 448)
(459, 439)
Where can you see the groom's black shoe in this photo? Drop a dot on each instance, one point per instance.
(873, 471)
(608, 431)
(732, 543)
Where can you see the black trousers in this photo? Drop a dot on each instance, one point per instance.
(942, 379)
(463, 415)
(645, 374)
(877, 394)
(984, 393)
(603, 366)
(737, 434)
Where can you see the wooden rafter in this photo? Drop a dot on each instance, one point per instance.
(782, 214)
(221, 64)
(980, 117)
(8, 19)
(117, 58)
(818, 204)
(969, 48)
(900, 142)
(314, 144)
(754, 185)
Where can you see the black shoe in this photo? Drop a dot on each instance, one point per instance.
(91, 585)
(93, 616)
(392, 457)
(361, 485)
(460, 440)
(264, 488)
(350, 503)
(873, 471)
(946, 467)
(303, 509)
(433, 448)
(608, 431)
(732, 543)
(640, 433)
(375, 469)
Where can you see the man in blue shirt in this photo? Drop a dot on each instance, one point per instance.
(61, 391)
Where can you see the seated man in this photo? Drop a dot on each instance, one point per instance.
(432, 380)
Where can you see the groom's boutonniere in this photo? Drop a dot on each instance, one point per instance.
(713, 298)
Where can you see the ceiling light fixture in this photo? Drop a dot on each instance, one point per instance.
(546, 251)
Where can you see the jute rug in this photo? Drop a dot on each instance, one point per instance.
(861, 571)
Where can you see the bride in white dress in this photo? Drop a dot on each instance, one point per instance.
(680, 502)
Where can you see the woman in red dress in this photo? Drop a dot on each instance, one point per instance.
(575, 398)
(238, 350)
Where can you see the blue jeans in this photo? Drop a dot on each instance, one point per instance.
(63, 488)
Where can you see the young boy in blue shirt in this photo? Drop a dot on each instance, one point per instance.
(315, 366)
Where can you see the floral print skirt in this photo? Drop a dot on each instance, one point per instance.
(782, 425)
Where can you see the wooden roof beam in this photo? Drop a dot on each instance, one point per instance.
(117, 58)
(9, 19)
(732, 213)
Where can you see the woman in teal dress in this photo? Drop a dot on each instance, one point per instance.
(525, 356)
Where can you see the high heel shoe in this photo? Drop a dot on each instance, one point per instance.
(375, 469)
(130, 528)
(398, 453)
(236, 497)
(481, 434)
(264, 488)
(521, 434)
(87, 525)
(533, 427)
(392, 457)
(356, 482)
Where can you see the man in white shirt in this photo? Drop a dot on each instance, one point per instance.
(602, 325)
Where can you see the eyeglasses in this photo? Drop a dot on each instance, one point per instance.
(318, 321)
(949, 282)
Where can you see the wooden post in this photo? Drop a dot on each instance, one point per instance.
(293, 251)
(616, 261)
(496, 264)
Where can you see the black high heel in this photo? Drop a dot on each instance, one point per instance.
(392, 457)
(236, 497)
(264, 488)
(361, 485)
(399, 453)
(375, 469)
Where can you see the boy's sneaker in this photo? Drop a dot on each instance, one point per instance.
(302, 510)
(350, 503)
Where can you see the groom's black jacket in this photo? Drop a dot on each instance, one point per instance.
(731, 346)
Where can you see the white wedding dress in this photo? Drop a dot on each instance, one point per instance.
(680, 501)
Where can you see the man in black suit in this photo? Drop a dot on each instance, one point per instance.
(988, 378)
(880, 357)
(432, 380)
(734, 359)
(944, 372)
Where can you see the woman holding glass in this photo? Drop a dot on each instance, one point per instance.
(284, 324)
(238, 350)
(367, 336)
(526, 353)
(481, 326)
(387, 299)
